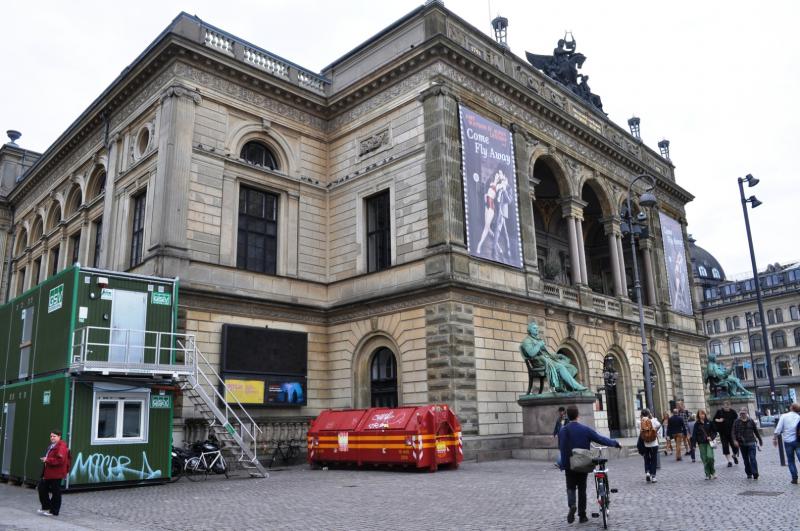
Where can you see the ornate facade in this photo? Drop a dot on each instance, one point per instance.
(154, 177)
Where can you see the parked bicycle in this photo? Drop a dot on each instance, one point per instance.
(206, 457)
(602, 485)
(179, 458)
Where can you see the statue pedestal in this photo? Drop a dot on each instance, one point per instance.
(539, 415)
(737, 402)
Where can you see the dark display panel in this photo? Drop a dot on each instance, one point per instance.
(253, 350)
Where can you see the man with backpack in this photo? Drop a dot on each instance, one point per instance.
(788, 428)
(745, 437)
(56, 463)
(572, 436)
(648, 435)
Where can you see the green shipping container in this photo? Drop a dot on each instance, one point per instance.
(90, 353)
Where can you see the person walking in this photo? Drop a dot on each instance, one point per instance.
(723, 420)
(704, 435)
(56, 468)
(745, 437)
(787, 429)
(648, 432)
(664, 422)
(560, 423)
(683, 412)
(576, 435)
(676, 429)
(692, 443)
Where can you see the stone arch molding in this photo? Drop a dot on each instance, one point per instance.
(361, 366)
(578, 356)
(239, 136)
(566, 186)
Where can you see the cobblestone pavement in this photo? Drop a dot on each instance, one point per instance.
(511, 494)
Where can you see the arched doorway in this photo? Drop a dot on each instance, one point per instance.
(383, 379)
(658, 381)
(611, 375)
(552, 238)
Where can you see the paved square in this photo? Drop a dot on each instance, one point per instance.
(512, 494)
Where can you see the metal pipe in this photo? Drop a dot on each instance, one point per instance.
(752, 366)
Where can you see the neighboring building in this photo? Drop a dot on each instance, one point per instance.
(730, 315)
(332, 207)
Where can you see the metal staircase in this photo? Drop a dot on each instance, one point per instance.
(230, 428)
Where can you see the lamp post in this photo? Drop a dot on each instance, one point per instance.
(647, 199)
(747, 318)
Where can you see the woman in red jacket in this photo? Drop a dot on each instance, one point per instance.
(56, 468)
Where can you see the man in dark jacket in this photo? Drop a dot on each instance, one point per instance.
(745, 437)
(676, 429)
(577, 435)
(560, 423)
(56, 468)
(723, 420)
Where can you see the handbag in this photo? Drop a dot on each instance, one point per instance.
(581, 460)
(640, 445)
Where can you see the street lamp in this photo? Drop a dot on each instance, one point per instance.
(646, 200)
(752, 181)
(747, 318)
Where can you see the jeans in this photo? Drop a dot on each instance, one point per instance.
(707, 457)
(46, 488)
(650, 459)
(576, 480)
(678, 446)
(749, 458)
(692, 446)
(792, 451)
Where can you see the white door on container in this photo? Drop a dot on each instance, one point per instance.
(8, 436)
(128, 322)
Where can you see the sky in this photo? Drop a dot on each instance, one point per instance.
(720, 80)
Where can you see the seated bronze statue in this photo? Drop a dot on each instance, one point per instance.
(722, 379)
(541, 363)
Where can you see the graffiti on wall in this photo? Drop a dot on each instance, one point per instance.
(100, 468)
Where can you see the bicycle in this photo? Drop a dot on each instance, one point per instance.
(602, 485)
(207, 461)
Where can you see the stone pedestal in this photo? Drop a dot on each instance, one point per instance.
(737, 402)
(540, 412)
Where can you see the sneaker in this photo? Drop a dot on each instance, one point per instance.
(583, 519)
(713, 476)
(654, 480)
(708, 477)
(735, 459)
(794, 481)
(46, 513)
(42, 511)
(755, 476)
(730, 464)
(647, 477)
(749, 476)
(571, 514)
(693, 460)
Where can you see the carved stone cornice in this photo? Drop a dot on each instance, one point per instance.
(181, 91)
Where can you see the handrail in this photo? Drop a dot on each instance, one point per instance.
(83, 341)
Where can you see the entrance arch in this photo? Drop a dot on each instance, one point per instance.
(659, 385)
(575, 353)
(383, 378)
(377, 379)
(618, 390)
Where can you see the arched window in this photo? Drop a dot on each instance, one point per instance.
(97, 184)
(755, 343)
(778, 339)
(702, 271)
(715, 347)
(256, 153)
(736, 323)
(728, 324)
(53, 217)
(22, 242)
(73, 202)
(716, 326)
(383, 379)
(794, 314)
(36, 231)
(778, 315)
(757, 318)
(736, 345)
(783, 365)
(797, 337)
(715, 272)
(761, 369)
(709, 328)
(771, 316)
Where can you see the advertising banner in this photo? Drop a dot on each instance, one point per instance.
(247, 391)
(677, 273)
(490, 190)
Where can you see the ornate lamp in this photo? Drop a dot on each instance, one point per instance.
(500, 27)
(633, 123)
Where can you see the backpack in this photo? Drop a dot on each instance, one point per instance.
(648, 434)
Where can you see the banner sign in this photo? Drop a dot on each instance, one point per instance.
(246, 391)
(490, 190)
(677, 273)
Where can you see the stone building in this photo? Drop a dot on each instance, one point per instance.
(333, 205)
(730, 315)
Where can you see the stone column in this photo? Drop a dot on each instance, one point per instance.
(573, 251)
(646, 244)
(581, 249)
(63, 249)
(572, 210)
(83, 249)
(104, 260)
(523, 146)
(443, 167)
(611, 228)
(623, 277)
(173, 169)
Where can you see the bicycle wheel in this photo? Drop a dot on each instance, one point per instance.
(193, 469)
(177, 471)
(602, 500)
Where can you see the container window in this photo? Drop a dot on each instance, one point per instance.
(120, 417)
(25, 342)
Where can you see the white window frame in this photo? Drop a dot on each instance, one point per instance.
(120, 398)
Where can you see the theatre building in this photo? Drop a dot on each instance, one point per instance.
(380, 232)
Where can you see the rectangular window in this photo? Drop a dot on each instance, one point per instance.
(137, 230)
(21, 280)
(75, 247)
(26, 342)
(98, 242)
(257, 243)
(379, 232)
(741, 372)
(784, 367)
(716, 348)
(54, 253)
(761, 370)
(37, 270)
(120, 417)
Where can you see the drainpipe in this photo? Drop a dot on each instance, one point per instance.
(10, 256)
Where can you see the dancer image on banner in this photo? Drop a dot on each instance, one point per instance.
(489, 210)
(502, 201)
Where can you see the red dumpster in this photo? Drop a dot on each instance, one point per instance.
(415, 436)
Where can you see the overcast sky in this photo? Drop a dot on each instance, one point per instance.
(720, 80)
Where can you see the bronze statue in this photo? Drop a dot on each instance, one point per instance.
(557, 368)
(721, 379)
